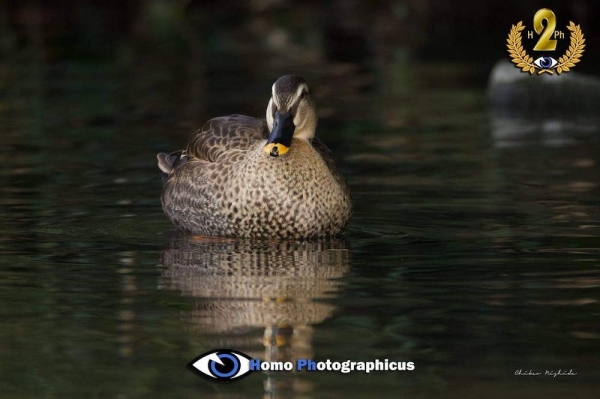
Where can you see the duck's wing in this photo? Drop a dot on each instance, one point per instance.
(226, 136)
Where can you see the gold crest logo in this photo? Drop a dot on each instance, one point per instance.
(549, 37)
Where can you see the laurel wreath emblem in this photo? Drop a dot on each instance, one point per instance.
(524, 61)
(573, 54)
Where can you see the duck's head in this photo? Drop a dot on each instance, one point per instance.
(290, 114)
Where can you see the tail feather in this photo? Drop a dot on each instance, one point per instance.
(168, 162)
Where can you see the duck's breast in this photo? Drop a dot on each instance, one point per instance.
(296, 194)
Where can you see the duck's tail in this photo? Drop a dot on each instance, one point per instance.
(168, 162)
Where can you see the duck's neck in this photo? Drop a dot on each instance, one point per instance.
(306, 134)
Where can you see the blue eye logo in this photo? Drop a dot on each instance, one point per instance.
(222, 365)
(545, 62)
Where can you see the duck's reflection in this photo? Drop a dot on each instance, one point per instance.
(257, 296)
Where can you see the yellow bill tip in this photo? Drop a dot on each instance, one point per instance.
(276, 149)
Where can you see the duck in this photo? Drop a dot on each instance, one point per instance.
(248, 177)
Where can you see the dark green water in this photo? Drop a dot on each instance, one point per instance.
(467, 256)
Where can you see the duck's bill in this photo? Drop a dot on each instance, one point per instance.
(280, 138)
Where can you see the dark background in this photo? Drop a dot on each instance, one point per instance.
(427, 30)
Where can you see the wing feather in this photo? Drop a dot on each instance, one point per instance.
(221, 136)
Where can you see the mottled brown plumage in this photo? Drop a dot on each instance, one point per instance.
(230, 183)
